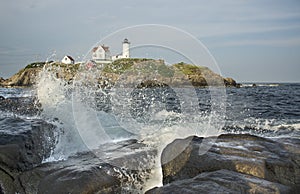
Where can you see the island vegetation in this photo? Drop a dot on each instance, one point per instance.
(176, 74)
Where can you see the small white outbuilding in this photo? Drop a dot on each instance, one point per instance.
(68, 60)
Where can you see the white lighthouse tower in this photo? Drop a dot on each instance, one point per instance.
(126, 44)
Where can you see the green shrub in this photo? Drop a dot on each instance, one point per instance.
(189, 69)
(35, 65)
(121, 65)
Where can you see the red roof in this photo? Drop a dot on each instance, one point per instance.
(105, 48)
(94, 49)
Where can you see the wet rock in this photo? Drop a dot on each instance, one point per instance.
(89, 173)
(20, 105)
(24, 143)
(105, 170)
(273, 161)
(81, 174)
(222, 181)
(6, 182)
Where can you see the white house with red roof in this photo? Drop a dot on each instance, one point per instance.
(68, 60)
(101, 54)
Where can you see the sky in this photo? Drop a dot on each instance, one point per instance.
(251, 40)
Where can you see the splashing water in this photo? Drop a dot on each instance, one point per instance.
(55, 96)
(99, 108)
(90, 116)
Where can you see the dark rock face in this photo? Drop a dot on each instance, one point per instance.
(25, 143)
(230, 82)
(265, 161)
(87, 173)
(80, 174)
(222, 181)
(20, 105)
(22, 148)
(1, 80)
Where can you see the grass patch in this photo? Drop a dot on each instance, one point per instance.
(35, 65)
(121, 65)
(189, 69)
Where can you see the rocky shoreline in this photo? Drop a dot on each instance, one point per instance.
(234, 163)
(22, 169)
(231, 163)
(180, 74)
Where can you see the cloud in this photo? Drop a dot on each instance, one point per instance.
(38, 26)
(286, 42)
(14, 51)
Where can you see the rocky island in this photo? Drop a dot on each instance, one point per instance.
(176, 74)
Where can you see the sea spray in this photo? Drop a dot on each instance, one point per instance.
(155, 118)
(92, 114)
(54, 94)
(158, 113)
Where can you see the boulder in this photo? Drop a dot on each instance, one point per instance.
(23, 145)
(79, 174)
(1, 80)
(276, 161)
(230, 82)
(87, 172)
(6, 182)
(222, 181)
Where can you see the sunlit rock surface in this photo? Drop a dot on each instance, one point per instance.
(234, 163)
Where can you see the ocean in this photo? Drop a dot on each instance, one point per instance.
(269, 109)
(266, 110)
(154, 116)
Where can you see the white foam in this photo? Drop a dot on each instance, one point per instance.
(54, 95)
(83, 128)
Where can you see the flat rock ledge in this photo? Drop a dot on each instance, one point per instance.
(234, 163)
(23, 150)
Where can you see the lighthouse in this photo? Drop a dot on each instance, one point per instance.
(125, 52)
(126, 44)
